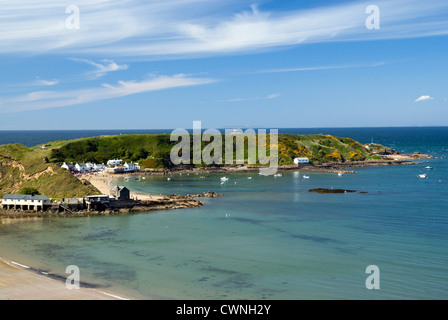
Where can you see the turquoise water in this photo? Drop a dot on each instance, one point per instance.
(265, 238)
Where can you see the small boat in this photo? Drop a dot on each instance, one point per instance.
(169, 179)
(249, 178)
(224, 179)
(340, 174)
(278, 175)
(428, 168)
(422, 176)
(306, 177)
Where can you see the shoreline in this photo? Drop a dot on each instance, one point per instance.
(21, 282)
(330, 167)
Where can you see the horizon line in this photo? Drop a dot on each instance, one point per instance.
(241, 127)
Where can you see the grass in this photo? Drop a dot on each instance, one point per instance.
(27, 167)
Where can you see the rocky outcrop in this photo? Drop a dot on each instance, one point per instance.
(192, 196)
(323, 190)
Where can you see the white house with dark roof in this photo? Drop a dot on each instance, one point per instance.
(68, 166)
(25, 202)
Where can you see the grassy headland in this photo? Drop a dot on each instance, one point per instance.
(22, 167)
(38, 168)
(153, 151)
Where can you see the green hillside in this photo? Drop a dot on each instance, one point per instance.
(153, 151)
(22, 167)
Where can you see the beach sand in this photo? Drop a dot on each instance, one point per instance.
(104, 182)
(18, 283)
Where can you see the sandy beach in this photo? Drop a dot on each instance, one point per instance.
(104, 182)
(19, 283)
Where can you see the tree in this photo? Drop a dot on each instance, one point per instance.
(29, 190)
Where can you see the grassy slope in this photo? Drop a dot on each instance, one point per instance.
(25, 167)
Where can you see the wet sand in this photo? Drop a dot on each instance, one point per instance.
(19, 283)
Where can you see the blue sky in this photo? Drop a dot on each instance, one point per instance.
(275, 64)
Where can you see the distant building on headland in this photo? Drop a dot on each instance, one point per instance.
(25, 202)
(303, 160)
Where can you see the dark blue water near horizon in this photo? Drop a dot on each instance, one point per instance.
(404, 139)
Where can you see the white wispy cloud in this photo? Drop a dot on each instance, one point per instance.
(101, 69)
(273, 96)
(317, 68)
(269, 97)
(423, 98)
(52, 99)
(179, 28)
(41, 82)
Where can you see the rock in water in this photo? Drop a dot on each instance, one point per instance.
(322, 190)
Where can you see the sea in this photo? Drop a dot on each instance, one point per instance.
(265, 238)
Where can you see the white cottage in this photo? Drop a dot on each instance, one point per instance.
(68, 166)
(89, 166)
(99, 167)
(303, 160)
(131, 167)
(80, 167)
(112, 163)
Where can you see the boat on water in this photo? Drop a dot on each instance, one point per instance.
(340, 174)
(249, 178)
(224, 179)
(428, 168)
(306, 177)
(169, 179)
(278, 175)
(422, 176)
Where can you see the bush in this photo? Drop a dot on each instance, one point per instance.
(29, 190)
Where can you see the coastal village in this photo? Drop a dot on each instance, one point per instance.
(113, 166)
(119, 197)
(118, 200)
